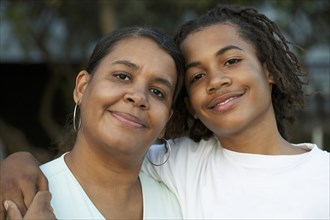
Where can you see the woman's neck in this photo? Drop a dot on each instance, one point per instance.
(111, 184)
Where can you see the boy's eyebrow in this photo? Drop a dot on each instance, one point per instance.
(127, 63)
(218, 53)
(192, 64)
(225, 49)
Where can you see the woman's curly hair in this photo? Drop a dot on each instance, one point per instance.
(272, 50)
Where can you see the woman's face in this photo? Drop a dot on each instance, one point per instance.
(229, 89)
(126, 104)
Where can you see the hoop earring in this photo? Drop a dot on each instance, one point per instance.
(75, 119)
(167, 149)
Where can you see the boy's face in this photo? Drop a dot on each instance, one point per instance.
(228, 87)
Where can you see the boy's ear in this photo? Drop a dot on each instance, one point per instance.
(189, 107)
(269, 76)
(82, 80)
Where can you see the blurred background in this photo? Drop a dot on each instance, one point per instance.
(45, 43)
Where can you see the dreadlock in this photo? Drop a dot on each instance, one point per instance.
(272, 50)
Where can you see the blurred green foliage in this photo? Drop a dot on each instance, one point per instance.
(63, 32)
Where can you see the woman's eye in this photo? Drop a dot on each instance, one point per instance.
(232, 61)
(157, 92)
(198, 76)
(122, 76)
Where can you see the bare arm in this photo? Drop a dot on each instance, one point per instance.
(39, 209)
(21, 178)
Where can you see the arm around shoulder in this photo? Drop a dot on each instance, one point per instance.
(21, 178)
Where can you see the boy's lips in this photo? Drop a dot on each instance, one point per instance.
(225, 98)
(130, 119)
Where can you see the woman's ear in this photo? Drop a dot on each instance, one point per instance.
(82, 80)
(189, 107)
(269, 76)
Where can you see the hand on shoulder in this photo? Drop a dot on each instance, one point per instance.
(39, 209)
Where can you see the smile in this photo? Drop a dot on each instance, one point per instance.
(225, 101)
(129, 119)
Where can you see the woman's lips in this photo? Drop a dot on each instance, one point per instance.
(129, 119)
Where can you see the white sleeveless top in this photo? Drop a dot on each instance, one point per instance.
(70, 201)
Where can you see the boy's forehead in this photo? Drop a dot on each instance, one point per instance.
(209, 38)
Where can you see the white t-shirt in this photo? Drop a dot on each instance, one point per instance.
(211, 182)
(70, 201)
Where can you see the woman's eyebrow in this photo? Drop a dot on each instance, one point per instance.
(165, 82)
(135, 66)
(126, 63)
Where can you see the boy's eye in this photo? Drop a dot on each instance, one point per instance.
(232, 61)
(198, 76)
(122, 76)
(157, 92)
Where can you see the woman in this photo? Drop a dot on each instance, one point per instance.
(242, 83)
(125, 98)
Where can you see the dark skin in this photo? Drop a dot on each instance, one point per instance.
(238, 134)
(128, 194)
(39, 209)
(12, 185)
(280, 146)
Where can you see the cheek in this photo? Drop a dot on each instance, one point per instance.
(193, 88)
(160, 115)
(261, 94)
(196, 95)
(263, 86)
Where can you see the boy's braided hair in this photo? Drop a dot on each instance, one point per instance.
(272, 50)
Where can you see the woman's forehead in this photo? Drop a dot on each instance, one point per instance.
(141, 53)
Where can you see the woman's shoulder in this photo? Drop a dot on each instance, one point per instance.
(159, 202)
(54, 167)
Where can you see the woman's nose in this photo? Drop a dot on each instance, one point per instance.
(138, 98)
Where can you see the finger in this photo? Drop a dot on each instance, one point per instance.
(42, 183)
(11, 193)
(42, 199)
(40, 207)
(12, 210)
(30, 186)
(13, 177)
(3, 214)
(2, 208)
(28, 192)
